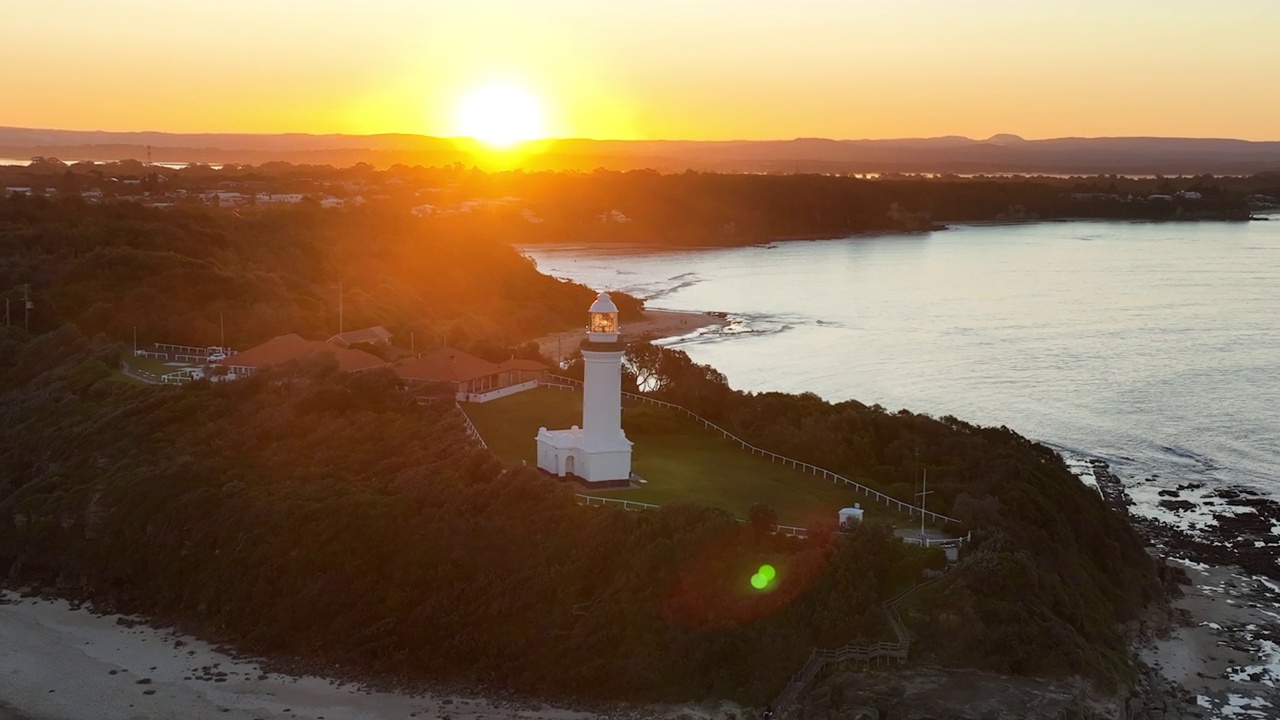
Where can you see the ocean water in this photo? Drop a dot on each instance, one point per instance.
(1154, 346)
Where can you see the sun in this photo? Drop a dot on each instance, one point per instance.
(501, 115)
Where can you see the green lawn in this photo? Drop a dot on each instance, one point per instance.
(680, 460)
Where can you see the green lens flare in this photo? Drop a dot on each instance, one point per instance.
(768, 572)
(759, 581)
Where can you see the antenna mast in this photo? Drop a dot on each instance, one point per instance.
(924, 491)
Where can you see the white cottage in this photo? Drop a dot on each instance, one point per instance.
(599, 451)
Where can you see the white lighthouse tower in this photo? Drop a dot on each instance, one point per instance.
(598, 452)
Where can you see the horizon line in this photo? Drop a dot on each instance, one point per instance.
(1011, 137)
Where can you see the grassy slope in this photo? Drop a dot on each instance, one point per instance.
(680, 460)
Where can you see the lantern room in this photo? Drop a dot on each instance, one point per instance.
(603, 323)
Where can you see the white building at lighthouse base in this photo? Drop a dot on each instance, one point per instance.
(563, 453)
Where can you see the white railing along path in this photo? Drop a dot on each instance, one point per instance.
(565, 383)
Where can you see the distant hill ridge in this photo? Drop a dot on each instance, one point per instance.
(1002, 153)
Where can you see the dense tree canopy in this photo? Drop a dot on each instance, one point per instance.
(1052, 570)
(688, 208)
(176, 274)
(325, 515)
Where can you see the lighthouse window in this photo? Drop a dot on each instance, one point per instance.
(604, 322)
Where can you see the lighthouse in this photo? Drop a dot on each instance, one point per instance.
(598, 452)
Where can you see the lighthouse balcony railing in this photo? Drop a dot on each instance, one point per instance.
(565, 383)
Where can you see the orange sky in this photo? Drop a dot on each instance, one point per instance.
(661, 69)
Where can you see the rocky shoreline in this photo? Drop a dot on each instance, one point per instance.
(1212, 650)
(1216, 651)
(1245, 534)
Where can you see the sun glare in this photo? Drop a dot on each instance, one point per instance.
(501, 115)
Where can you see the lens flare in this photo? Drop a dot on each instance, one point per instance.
(763, 577)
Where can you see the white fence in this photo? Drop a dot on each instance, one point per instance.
(634, 506)
(565, 383)
(471, 429)
(181, 376)
(934, 542)
(183, 349)
(487, 395)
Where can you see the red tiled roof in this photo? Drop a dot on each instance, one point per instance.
(374, 334)
(446, 365)
(292, 347)
(522, 364)
(353, 360)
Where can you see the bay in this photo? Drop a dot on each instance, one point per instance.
(1154, 346)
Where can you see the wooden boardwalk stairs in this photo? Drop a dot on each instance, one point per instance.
(821, 659)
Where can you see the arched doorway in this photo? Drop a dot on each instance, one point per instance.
(569, 466)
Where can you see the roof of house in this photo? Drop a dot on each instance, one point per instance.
(284, 348)
(374, 334)
(522, 364)
(446, 365)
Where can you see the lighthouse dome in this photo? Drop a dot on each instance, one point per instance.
(604, 304)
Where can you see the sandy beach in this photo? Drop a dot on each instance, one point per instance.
(658, 324)
(71, 664)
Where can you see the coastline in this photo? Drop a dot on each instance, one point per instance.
(657, 325)
(70, 663)
(1216, 649)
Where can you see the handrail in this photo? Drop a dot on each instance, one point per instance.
(820, 658)
(633, 505)
(565, 383)
(471, 429)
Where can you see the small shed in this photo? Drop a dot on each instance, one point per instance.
(849, 516)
